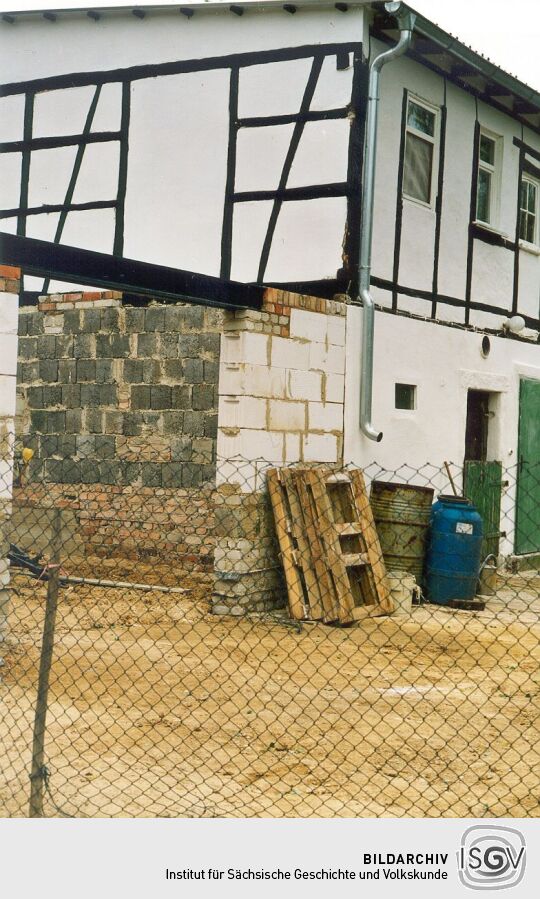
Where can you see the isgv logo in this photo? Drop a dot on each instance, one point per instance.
(491, 857)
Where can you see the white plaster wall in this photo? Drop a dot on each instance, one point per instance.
(36, 48)
(492, 270)
(456, 191)
(178, 151)
(9, 310)
(178, 136)
(443, 363)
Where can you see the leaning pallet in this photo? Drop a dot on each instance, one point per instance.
(330, 550)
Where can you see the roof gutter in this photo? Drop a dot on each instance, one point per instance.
(405, 19)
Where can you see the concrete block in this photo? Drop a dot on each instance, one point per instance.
(231, 379)
(325, 416)
(168, 346)
(237, 472)
(252, 380)
(335, 388)
(310, 326)
(140, 398)
(245, 347)
(304, 385)
(336, 330)
(155, 318)
(181, 396)
(27, 347)
(84, 345)
(263, 381)
(193, 318)
(6, 478)
(135, 320)
(287, 415)
(293, 448)
(228, 444)
(146, 344)
(90, 321)
(188, 345)
(287, 353)
(48, 370)
(194, 423)
(8, 354)
(104, 370)
(160, 397)
(242, 412)
(320, 448)
(53, 324)
(265, 445)
(9, 313)
(203, 397)
(72, 321)
(194, 371)
(133, 371)
(86, 370)
(211, 425)
(8, 395)
(328, 360)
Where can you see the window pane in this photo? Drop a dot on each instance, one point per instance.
(417, 171)
(405, 396)
(421, 119)
(483, 196)
(522, 225)
(487, 149)
(531, 196)
(530, 228)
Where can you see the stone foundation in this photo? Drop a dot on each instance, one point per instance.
(248, 575)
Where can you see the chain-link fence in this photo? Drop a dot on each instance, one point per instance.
(295, 642)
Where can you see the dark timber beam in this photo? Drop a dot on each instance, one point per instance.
(62, 263)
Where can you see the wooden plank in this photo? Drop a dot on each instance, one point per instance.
(348, 529)
(305, 559)
(295, 591)
(373, 546)
(338, 572)
(329, 599)
(354, 559)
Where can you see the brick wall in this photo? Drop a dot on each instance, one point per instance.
(119, 403)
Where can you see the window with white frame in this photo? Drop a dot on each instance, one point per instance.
(421, 137)
(487, 190)
(528, 210)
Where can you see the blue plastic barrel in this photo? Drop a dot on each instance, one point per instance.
(454, 550)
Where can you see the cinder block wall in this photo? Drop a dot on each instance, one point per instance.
(282, 387)
(119, 404)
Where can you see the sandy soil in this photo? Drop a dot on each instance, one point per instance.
(157, 708)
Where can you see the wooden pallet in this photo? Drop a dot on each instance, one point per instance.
(330, 550)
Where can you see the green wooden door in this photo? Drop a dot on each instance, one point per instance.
(528, 474)
(483, 485)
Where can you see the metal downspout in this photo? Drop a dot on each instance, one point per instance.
(406, 23)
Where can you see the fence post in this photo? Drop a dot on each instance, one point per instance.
(37, 776)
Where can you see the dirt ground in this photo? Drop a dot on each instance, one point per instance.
(158, 708)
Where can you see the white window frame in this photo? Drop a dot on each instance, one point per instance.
(495, 171)
(529, 179)
(434, 140)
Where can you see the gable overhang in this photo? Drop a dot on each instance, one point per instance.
(449, 57)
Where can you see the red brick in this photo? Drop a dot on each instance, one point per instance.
(10, 271)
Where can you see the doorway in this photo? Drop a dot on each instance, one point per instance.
(482, 477)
